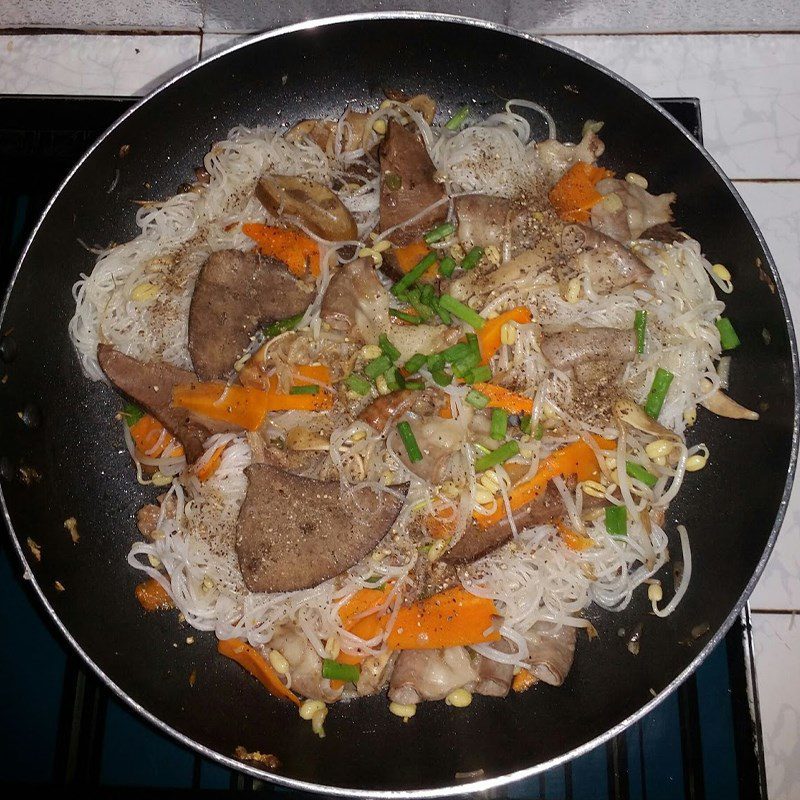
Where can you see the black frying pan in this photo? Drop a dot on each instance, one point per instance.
(733, 509)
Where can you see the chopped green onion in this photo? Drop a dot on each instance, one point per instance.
(389, 350)
(617, 520)
(410, 442)
(465, 313)
(441, 377)
(477, 399)
(472, 258)
(499, 424)
(435, 361)
(480, 374)
(474, 344)
(525, 422)
(727, 335)
(638, 472)
(375, 579)
(393, 181)
(377, 366)
(464, 365)
(455, 352)
(658, 393)
(411, 277)
(306, 388)
(639, 325)
(507, 450)
(415, 362)
(447, 267)
(132, 414)
(412, 319)
(417, 386)
(357, 384)
(427, 295)
(455, 122)
(444, 315)
(539, 432)
(282, 325)
(441, 232)
(394, 379)
(414, 297)
(336, 671)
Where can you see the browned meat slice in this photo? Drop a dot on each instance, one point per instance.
(550, 651)
(666, 233)
(150, 384)
(431, 674)
(356, 303)
(548, 508)
(295, 532)
(407, 184)
(494, 677)
(568, 349)
(234, 294)
(380, 412)
(609, 263)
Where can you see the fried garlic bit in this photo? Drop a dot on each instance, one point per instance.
(267, 759)
(35, 549)
(71, 525)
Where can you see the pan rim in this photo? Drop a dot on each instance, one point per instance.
(500, 780)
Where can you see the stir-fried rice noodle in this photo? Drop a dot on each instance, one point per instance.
(534, 578)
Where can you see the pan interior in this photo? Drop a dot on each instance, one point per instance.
(729, 508)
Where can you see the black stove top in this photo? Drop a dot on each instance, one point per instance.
(62, 727)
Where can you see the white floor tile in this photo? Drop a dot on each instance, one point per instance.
(777, 652)
(214, 42)
(92, 65)
(748, 87)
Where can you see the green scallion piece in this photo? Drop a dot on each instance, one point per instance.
(465, 313)
(444, 315)
(658, 393)
(617, 520)
(414, 297)
(638, 472)
(411, 319)
(336, 671)
(441, 232)
(465, 365)
(377, 366)
(727, 335)
(539, 432)
(306, 388)
(447, 266)
(507, 450)
(457, 120)
(413, 275)
(472, 258)
(525, 423)
(410, 442)
(131, 413)
(358, 384)
(414, 363)
(416, 386)
(640, 326)
(481, 374)
(389, 350)
(394, 379)
(455, 352)
(441, 377)
(499, 424)
(427, 295)
(282, 325)
(435, 361)
(477, 399)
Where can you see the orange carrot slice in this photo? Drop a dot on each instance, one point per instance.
(489, 334)
(249, 658)
(299, 252)
(575, 194)
(152, 596)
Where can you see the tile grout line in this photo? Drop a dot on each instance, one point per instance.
(786, 612)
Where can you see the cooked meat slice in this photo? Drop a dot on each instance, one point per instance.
(557, 157)
(550, 651)
(295, 532)
(438, 439)
(494, 677)
(609, 263)
(431, 674)
(640, 209)
(234, 294)
(315, 205)
(380, 412)
(486, 221)
(407, 184)
(568, 349)
(375, 672)
(666, 233)
(356, 303)
(547, 508)
(305, 664)
(150, 384)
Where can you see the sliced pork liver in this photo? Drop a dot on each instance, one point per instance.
(295, 532)
(407, 184)
(235, 293)
(150, 384)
